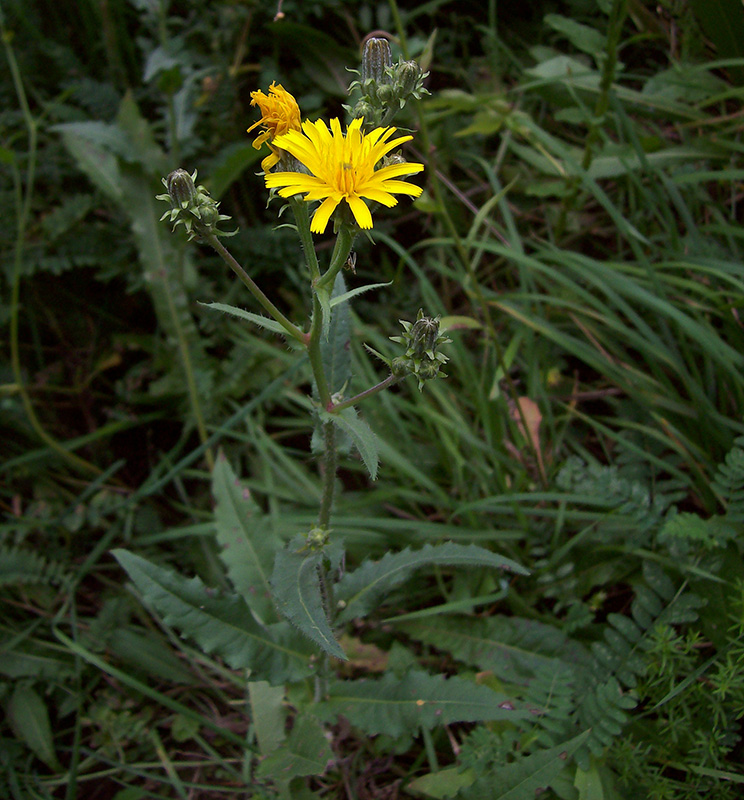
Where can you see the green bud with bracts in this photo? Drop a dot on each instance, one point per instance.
(192, 207)
(422, 357)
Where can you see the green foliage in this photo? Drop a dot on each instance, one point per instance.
(580, 229)
(728, 482)
(527, 777)
(398, 706)
(361, 590)
(298, 592)
(221, 624)
(20, 565)
(246, 540)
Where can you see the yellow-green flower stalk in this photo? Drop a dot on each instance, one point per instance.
(343, 168)
(279, 115)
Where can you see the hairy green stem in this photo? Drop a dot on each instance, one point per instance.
(330, 463)
(227, 257)
(315, 355)
(391, 380)
(302, 221)
(341, 250)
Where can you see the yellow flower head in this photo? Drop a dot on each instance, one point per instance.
(279, 114)
(343, 168)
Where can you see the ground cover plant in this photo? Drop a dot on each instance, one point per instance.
(251, 546)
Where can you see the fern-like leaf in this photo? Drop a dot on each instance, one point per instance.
(362, 589)
(19, 565)
(729, 481)
(513, 648)
(219, 624)
(527, 777)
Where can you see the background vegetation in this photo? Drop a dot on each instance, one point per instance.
(581, 231)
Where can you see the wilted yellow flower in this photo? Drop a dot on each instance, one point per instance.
(279, 114)
(343, 168)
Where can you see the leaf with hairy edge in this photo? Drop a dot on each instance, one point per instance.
(297, 592)
(513, 648)
(361, 434)
(342, 298)
(263, 322)
(247, 540)
(362, 589)
(395, 706)
(219, 624)
(527, 777)
(335, 348)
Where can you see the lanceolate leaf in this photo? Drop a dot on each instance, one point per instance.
(219, 624)
(263, 322)
(362, 589)
(297, 592)
(395, 706)
(526, 778)
(335, 349)
(247, 541)
(29, 718)
(342, 298)
(361, 434)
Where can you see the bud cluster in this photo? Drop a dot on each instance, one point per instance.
(191, 206)
(422, 340)
(385, 87)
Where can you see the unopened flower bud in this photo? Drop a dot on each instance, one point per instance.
(192, 207)
(376, 60)
(181, 188)
(424, 335)
(394, 159)
(364, 109)
(408, 75)
(402, 366)
(422, 340)
(385, 94)
(317, 538)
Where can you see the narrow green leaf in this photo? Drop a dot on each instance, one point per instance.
(220, 624)
(246, 538)
(342, 298)
(527, 777)
(395, 706)
(306, 752)
(298, 595)
(29, 718)
(263, 322)
(362, 589)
